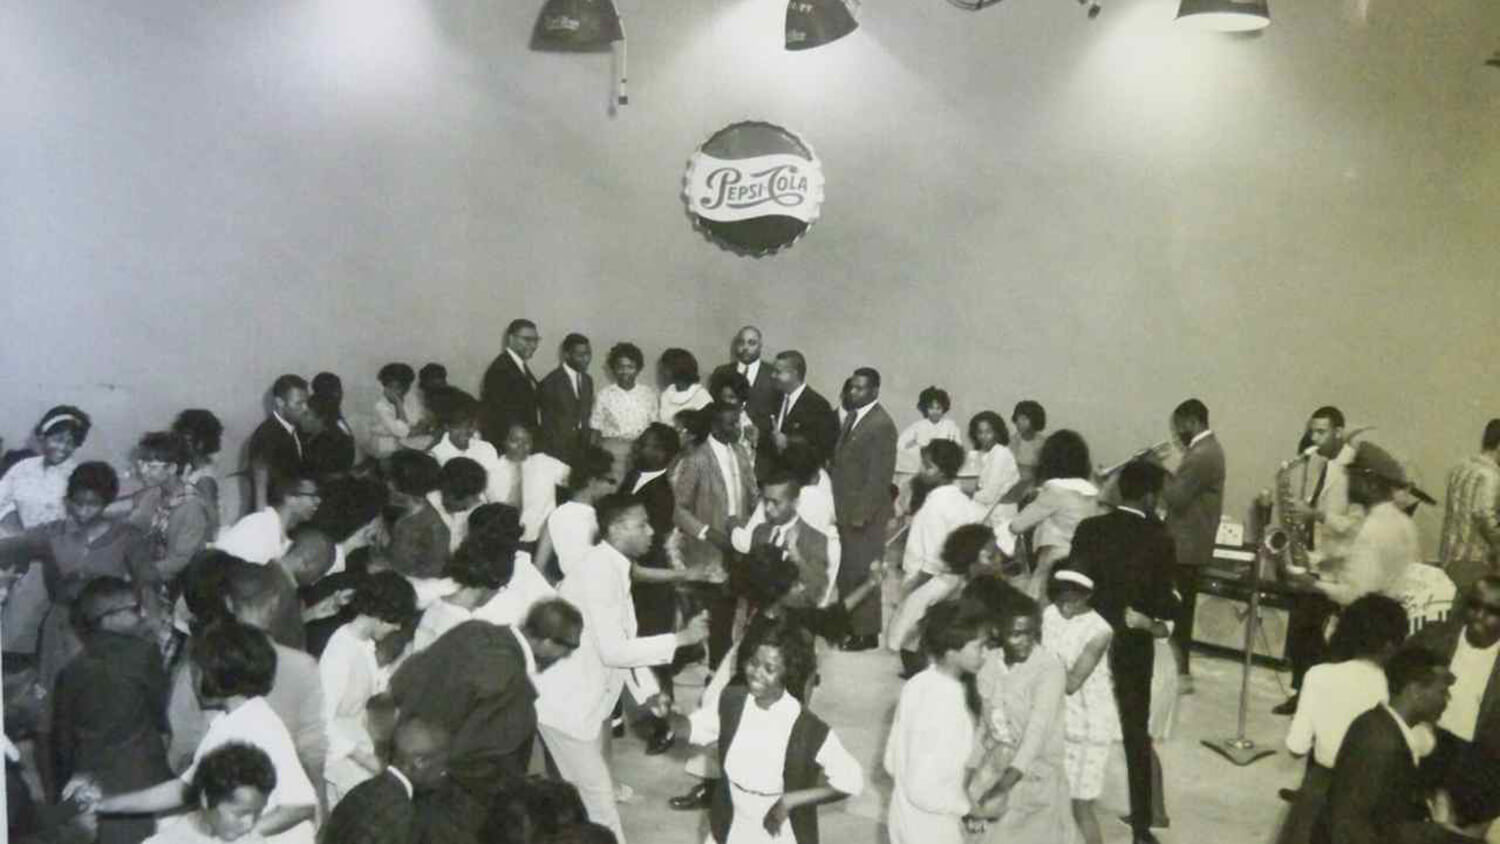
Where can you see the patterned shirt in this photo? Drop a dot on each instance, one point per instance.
(1473, 488)
(35, 490)
(623, 414)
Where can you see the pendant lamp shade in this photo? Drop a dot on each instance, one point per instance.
(813, 23)
(577, 26)
(1225, 15)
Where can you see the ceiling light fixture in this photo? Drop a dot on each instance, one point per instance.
(813, 23)
(1225, 15)
(583, 26)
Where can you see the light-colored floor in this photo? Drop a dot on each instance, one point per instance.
(1208, 799)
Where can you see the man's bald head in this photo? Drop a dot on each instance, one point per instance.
(746, 348)
(421, 751)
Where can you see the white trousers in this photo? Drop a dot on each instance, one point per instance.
(584, 763)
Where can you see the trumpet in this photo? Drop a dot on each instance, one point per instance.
(1106, 473)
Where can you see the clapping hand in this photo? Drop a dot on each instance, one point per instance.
(695, 631)
(84, 792)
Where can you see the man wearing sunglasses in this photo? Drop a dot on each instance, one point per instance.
(1467, 759)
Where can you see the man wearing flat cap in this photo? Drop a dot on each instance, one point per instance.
(1386, 542)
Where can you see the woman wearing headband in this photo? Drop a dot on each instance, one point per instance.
(31, 494)
(1091, 723)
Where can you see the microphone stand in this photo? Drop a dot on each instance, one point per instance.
(1237, 748)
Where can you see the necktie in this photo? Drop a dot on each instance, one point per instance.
(778, 536)
(745, 369)
(848, 426)
(573, 379)
(786, 407)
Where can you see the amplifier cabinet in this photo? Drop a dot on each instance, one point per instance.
(1219, 619)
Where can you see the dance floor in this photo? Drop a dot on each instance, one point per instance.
(1208, 799)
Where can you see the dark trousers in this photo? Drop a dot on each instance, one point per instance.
(720, 606)
(486, 775)
(1470, 774)
(1305, 645)
(863, 546)
(1185, 578)
(1130, 659)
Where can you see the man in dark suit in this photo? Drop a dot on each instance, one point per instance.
(803, 414)
(1194, 498)
(381, 810)
(1377, 795)
(566, 399)
(276, 451)
(763, 400)
(1467, 758)
(864, 461)
(509, 391)
(475, 681)
(1130, 557)
(714, 489)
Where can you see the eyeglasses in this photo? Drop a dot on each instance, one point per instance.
(572, 646)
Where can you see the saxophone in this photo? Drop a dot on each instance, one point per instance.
(1294, 548)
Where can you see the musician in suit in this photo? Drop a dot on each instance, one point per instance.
(380, 810)
(763, 401)
(1377, 795)
(509, 392)
(1467, 759)
(1132, 560)
(277, 451)
(864, 461)
(714, 488)
(566, 399)
(803, 413)
(798, 541)
(1194, 499)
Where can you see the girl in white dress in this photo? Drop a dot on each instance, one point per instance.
(624, 408)
(927, 753)
(933, 403)
(1080, 637)
(766, 738)
(999, 477)
(678, 373)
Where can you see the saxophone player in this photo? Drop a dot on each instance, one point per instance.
(1329, 526)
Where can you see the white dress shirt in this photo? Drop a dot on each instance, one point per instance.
(1472, 668)
(1377, 558)
(577, 693)
(945, 509)
(541, 474)
(751, 370)
(508, 607)
(573, 528)
(646, 478)
(729, 467)
(1333, 695)
(351, 676)
(256, 724)
(257, 538)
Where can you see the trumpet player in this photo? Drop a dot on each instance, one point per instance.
(1193, 497)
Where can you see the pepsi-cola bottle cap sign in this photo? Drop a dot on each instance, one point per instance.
(754, 188)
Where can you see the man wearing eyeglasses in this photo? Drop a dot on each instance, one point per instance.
(508, 394)
(265, 535)
(114, 736)
(1467, 759)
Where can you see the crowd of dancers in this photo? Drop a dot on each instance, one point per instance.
(370, 653)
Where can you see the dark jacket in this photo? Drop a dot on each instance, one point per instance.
(282, 453)
(565, 416)
(377, 811)
(419, 544)
(655, 603)
(1377, 796)
(811, 418)
(864, 462)
(507, 395)
(1194, 498)
(801, 769)
(472, 681)
(1130, 559)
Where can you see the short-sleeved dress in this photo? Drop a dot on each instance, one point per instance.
(1091, 722)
